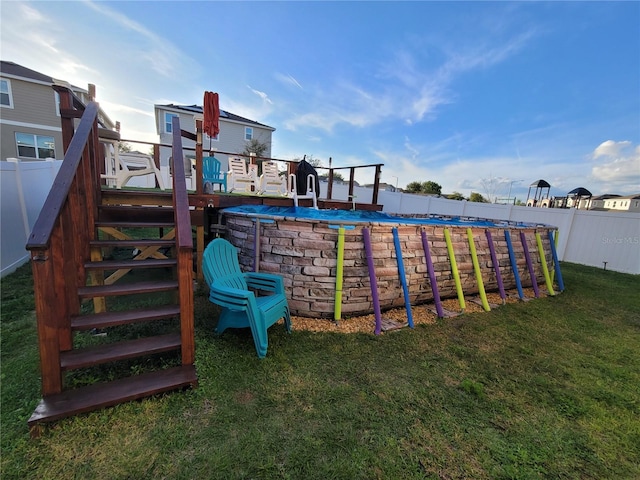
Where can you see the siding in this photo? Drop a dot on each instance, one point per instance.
(34, 104)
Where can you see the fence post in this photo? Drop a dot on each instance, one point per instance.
(21, 200)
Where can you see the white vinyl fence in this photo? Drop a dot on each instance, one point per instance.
(585, 237)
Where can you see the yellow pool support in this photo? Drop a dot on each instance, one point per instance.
(454, 269)
(339, 269)
(543, 261)
(476, 269)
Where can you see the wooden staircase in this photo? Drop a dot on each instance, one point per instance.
(103, 311)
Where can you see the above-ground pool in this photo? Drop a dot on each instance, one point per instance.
(379, 261)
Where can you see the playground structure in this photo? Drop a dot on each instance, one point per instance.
(374, 265)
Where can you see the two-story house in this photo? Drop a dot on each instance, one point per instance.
(30, 114)
(236, 132)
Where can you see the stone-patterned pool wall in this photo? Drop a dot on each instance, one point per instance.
(304, 253)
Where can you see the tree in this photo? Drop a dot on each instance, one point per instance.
(414, 187)
(432, 188)
(455, 196)
(124, 147)
(476, 197)
(255, 146)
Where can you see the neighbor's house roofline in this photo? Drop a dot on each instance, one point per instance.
(12, 70)
(224, 115)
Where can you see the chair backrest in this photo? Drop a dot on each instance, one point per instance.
(270, 170)
(238, 166)
(211, 169)
(220, 264)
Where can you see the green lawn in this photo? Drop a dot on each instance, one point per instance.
(549, 388)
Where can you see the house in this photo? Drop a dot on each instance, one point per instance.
(235, 132)
(628, 203)
(30, 114)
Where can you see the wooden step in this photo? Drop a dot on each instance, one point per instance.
(134, 242)
(113, 319)
(132, 224)
(119, 213)
(144, 263)
(126, 288)
(115, 351)
(101, 395)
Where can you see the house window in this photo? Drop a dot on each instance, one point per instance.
(35, 146)
(6, 99)
(168, 118)
(248, 133)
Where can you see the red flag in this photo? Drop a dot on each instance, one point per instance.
(211, 112)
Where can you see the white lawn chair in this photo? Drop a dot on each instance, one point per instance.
(310, 192)
(120, 167)
(238, 178)
(271, 181)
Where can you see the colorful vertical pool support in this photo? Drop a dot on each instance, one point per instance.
(403, 277)
(454, 269)
(514, 264)
(366, 238)
(432, 275)
(545, 269)
(337, 309)
(496, 266)
(476, 269)
(532, 273)
(256, 242)
(556, 263)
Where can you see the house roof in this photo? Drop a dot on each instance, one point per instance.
(13, 69)
(223, 114)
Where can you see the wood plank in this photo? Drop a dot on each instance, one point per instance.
(132, 263)
(112, 319)
(134, 224)
(100, 395)
(115, 351)
(134, 242)
(126, 288)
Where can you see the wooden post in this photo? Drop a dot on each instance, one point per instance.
(376, 185)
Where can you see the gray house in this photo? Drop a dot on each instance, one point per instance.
(235, 132)
(30, 114)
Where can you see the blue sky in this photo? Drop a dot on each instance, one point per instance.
(478, 97)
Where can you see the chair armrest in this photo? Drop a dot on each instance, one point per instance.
(233, 298)
(265, 281)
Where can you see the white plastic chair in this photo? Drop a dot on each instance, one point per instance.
(120, 167)
(310, 192)
(271, 181)
(238, 178)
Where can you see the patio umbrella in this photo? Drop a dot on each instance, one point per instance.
(211, 112)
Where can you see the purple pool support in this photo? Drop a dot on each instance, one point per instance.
(366, 238)
(496, 266)
(432, 275)
(532, 273)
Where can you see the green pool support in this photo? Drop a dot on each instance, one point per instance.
(476, 269)
(454, 269)
(337, 309)
(545, 269)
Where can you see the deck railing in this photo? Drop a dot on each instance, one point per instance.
(59, 242)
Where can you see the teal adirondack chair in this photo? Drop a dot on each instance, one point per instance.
(211, 173)
(233, 290)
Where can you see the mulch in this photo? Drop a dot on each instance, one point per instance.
(397, 317)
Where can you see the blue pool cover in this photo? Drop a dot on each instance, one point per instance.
(353, 216)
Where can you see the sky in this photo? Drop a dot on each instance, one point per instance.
(484, 97)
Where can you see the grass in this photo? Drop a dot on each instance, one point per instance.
(544, 389)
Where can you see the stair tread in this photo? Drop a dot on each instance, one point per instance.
(141, 223)
(133, 242)
(131, 263)
(126, 288)
(101, 395)
(111, 319)
(111, 352)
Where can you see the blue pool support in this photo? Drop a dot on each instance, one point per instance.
(256, 241)
(372, 279)
(403, 277)
(532, 273)
(514, 264)
(496, 266)
(337, 310)
(432, 275)
(556, 263)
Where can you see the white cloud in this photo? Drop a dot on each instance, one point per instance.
(618, 168)
(262, 95)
